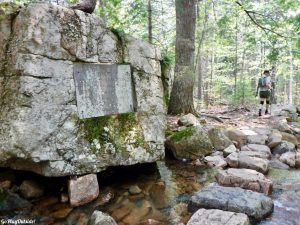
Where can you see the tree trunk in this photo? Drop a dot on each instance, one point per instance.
(150, 36)
(273, 83)
(236, 57)
(181, 100)
(290, 93)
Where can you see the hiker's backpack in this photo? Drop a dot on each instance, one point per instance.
(262, 82)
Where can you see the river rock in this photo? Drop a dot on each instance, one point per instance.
(134, 189)
(238, 136)
(257, 139)
(31, 189)
(218, 217)
(219, 140)
(43, 129)
(283, 147)
(257, 148)
(10, 202)
(188, 120)
(230, 149)
(190, 143)
(255, 205)
(281, 125)
(83, 189)
(289, 138)
(262, 155)
(276, 163)
(100, 218)
(274, 139)
(246, 179)
(288, 158)
(216, 161)
(240, 160)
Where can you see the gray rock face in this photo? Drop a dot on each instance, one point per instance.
(41, 129)
(190, 143)
(241, 160)
(219, 140)
(218, 217)
(100, 218)
(283, 147)
(256, 205)
(246, 179)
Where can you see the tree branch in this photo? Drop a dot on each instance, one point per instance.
(265, 29)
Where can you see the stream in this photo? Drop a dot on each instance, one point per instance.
(151, 193)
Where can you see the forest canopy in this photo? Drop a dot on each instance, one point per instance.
(235, 41)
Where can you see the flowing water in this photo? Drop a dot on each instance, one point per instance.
(162, 191)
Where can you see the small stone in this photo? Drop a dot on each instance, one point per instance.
(218, 217)
(134, 190)
(289, 138)
(188, 120)
(288, 158)
(5, 184)
(31, 189)
(216, 161)
(83, 189)
(100, 218)
(275, 163)
(274, 139)
(64, 198)
(283, 147)
(151, 222)
(231, 149)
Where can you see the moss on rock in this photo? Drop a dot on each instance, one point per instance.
(114, 133)
(178, 136)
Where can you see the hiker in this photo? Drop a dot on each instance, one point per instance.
(264, 87)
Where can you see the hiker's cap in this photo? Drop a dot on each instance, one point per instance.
(266, 72)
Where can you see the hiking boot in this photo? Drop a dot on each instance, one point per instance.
(266, 112)
(259, 112)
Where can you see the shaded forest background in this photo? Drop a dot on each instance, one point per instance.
(235, 41)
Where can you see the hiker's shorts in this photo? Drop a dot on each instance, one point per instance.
(264, 94)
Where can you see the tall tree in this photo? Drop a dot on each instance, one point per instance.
(150, 21)
(181, 100)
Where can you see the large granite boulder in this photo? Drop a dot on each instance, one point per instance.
(218, 217)
(256, 205)
(242, 160)
(246, 179)
(47, 54)
(190, 143)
